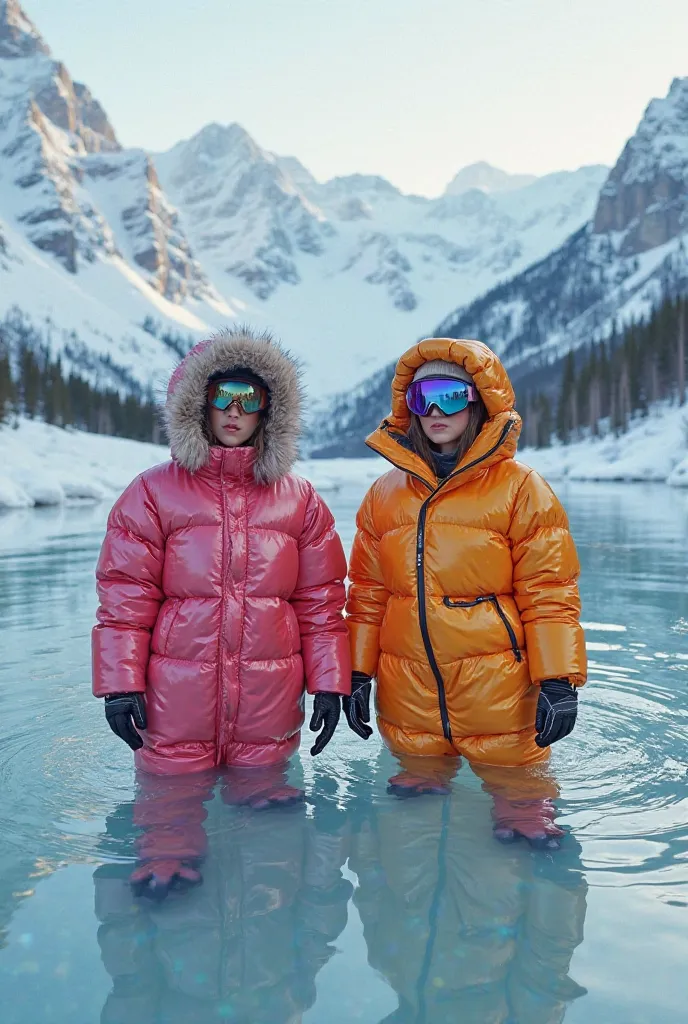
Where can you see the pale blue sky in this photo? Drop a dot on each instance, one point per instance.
(411, 89)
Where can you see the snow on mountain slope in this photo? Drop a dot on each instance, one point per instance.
(99, 238)
(349, 271)
(56, 141)
(245, 214)
(631, 253)
(93, 317)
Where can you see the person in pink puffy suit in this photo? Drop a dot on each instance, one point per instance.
(221, 578)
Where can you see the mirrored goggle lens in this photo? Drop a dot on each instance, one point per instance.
(249, 397)
(450, 396)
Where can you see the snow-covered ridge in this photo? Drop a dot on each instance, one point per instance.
(19, 37)
(267, 221)
(89, 243)
(350, 270)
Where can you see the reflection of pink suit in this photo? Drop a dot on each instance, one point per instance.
(247, 944)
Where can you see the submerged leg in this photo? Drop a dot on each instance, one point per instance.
(261, 787)
(420, 776)
(170, 812)
(523, 803)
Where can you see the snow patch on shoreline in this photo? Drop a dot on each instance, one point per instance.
(47, 465)
(654, 450)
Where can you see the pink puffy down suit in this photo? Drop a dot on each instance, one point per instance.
(221, 581)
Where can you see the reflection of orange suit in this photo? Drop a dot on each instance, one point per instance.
(463, 928)
(244, 946)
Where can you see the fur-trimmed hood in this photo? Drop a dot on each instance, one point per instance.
(186, 400)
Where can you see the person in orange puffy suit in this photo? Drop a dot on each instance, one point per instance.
(463, 599)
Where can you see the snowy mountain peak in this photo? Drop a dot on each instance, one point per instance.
(646, 194)
(300, 175)
(214, 142)
(19, 37)
(247, 215)
(486, 178)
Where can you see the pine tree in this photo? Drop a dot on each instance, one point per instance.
(544, 436)
(30, 382)
(623, 396)
(681, 352)
(7, 391)
(529, 429)
(566, 416)
(604, 372)
(53, 395)
(594, 396)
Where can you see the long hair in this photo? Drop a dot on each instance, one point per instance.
(423, 446)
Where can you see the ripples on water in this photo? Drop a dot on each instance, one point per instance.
(391, 911)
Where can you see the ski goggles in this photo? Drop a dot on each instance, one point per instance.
(447, 393)
(249, 397)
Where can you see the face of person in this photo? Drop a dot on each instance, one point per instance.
(232, 427)
(445, 431)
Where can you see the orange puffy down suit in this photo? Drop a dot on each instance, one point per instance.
(463, 593)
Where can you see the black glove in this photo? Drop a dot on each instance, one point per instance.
(557, 708)
(120, 709)
(357, 706)
(327, 708)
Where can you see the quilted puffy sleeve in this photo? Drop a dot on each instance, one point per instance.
(545, 579)
(318, 601)
(368, 597)
(129, 575)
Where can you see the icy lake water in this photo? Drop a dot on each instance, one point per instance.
(356, 906)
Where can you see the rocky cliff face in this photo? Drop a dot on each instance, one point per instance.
(646, 194)
(56, 142)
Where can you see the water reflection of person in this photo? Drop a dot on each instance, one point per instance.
(464, 929)
(247, 944)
